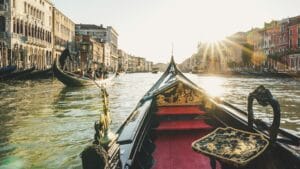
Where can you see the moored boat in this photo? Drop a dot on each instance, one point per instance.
(38, 74)
(7, 70)
(155, 70)
(74, 80)
(177, 125)
(17, 74)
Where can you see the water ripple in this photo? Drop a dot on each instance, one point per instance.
(44, 125)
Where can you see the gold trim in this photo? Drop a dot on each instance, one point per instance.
(179, 94)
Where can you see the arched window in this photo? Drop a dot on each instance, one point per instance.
(38, 33)
(2, 24)
(18, 26)
(35, 31)
(26, 29)
(14, 25)
(41, 33)
(32, 31)
(21, 27)
(29, 29)
(46, 35)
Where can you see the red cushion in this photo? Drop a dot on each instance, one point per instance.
(180, 110)
(183, 125)
(175, 152)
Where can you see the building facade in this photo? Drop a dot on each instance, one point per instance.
(293, 58)
(91, 53)
(141, 64)
(26, 35)
(104, 35)
(122, 60)
(148, 66)
(64, 32)
(132, 64)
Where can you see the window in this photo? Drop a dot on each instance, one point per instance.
(21, 27)
(2, 24)
(2, 2)
(25, 7)
(50, 20)
(298, 42)
(26, 29)
(14, 3)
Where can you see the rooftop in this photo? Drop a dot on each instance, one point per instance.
(89, 26)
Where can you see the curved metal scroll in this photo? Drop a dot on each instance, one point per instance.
(265, 98)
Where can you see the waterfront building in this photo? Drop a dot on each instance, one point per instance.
(141, 64)
(104, 35)
(283, 43)
(91, 52)
(294, 44)
(161, 66)
(137, 64)
(255, 37)
(235, 48)
(276, 46)
(133, 64)
(122, 60)
(64, 37)
(148, 66)
(186, 65)
(26, 35)
(107, 55)
(271, 43)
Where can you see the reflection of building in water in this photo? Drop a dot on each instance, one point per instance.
(26, 33)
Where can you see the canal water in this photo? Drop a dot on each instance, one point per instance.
(45, 125)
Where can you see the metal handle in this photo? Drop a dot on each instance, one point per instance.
(265, 98)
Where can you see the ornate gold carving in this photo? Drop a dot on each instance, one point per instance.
(105, 135)
(231, 145)
(179, 95)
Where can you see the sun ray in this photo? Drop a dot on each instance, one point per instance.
(204, 58)
(239, 46)
(221, 55)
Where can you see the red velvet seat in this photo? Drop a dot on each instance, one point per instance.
(182, 125)
(180, 110)
(174, 151)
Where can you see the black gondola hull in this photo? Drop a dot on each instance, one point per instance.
(17, 75)
(142, 137)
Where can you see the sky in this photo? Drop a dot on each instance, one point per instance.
(148, 28)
